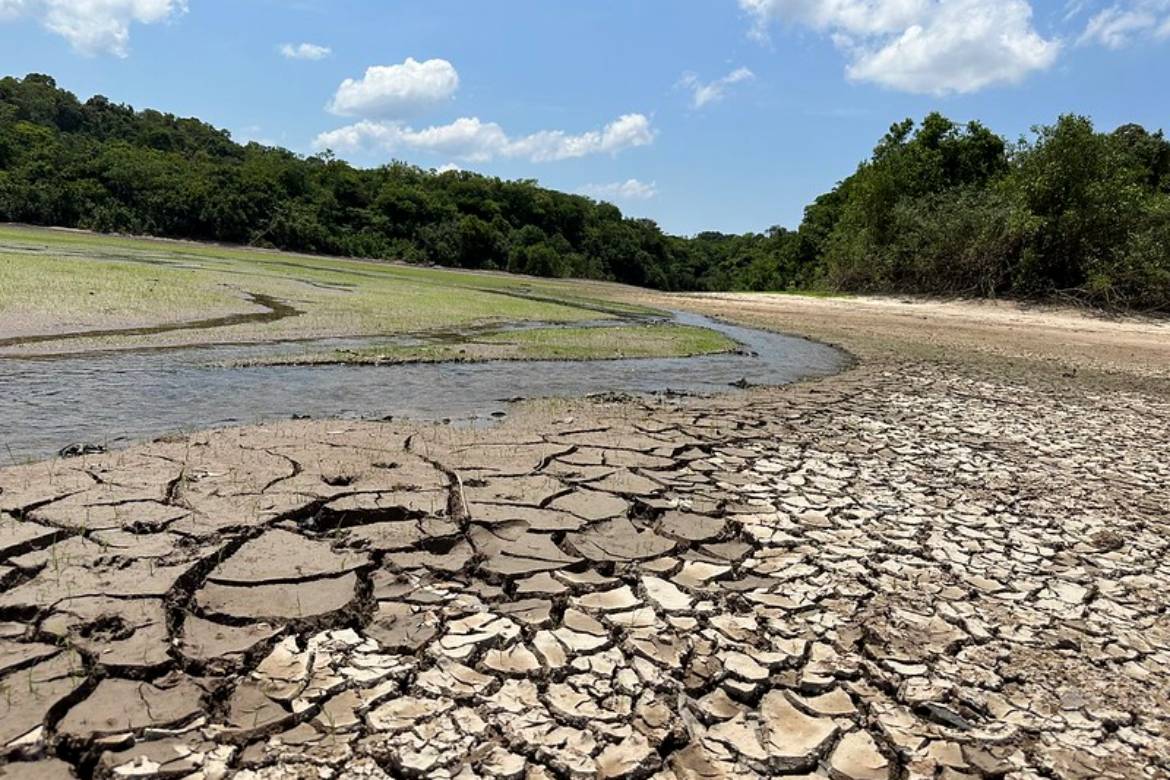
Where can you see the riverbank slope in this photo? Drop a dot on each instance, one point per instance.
(947, 561)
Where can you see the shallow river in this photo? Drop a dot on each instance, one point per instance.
(111, 398)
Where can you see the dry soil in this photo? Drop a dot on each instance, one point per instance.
(947, 562)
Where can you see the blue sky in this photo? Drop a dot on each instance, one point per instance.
(703, 114)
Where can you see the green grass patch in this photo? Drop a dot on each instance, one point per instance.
(32, 285)
(620, 342)
(54, 281)
(809, 293)
(561, 343)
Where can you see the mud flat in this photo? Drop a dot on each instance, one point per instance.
(116, 397)
(948, 562)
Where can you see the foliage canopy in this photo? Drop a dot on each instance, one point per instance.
(939, 208)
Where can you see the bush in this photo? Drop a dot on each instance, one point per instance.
(959, 242)
(1140, 277)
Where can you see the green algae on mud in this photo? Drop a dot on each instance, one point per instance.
(606, 342)
(93, 292)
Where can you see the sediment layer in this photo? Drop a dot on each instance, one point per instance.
(910, 573)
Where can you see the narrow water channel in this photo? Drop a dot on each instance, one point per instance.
(118, 397)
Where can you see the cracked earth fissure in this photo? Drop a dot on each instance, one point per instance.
(876, 576)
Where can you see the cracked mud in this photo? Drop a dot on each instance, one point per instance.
(917, 573)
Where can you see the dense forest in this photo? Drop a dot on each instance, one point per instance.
(939, 208)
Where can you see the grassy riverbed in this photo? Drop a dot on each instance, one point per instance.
(561, 343)
(68, 291)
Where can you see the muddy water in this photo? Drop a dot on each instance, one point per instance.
(112, 398)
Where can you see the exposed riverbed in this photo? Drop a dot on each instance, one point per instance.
(117, 397)
(935, 565)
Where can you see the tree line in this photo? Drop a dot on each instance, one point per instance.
(939, 208)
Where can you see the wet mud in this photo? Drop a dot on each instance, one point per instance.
(117, 397)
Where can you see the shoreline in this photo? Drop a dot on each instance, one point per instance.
(949, 557)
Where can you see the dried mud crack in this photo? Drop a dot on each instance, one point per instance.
(888, 574)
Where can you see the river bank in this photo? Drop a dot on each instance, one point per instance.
(947, 561)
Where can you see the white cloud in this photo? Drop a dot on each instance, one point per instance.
(304, 51)
(94, 26)
(630, 189)
(473, 140)
(10, 9)
(852, 17)
(448, 168)
(713, 91)
(394, 91)
(1120, 24)
(971, 45)
(253, 134)
(923, 46)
